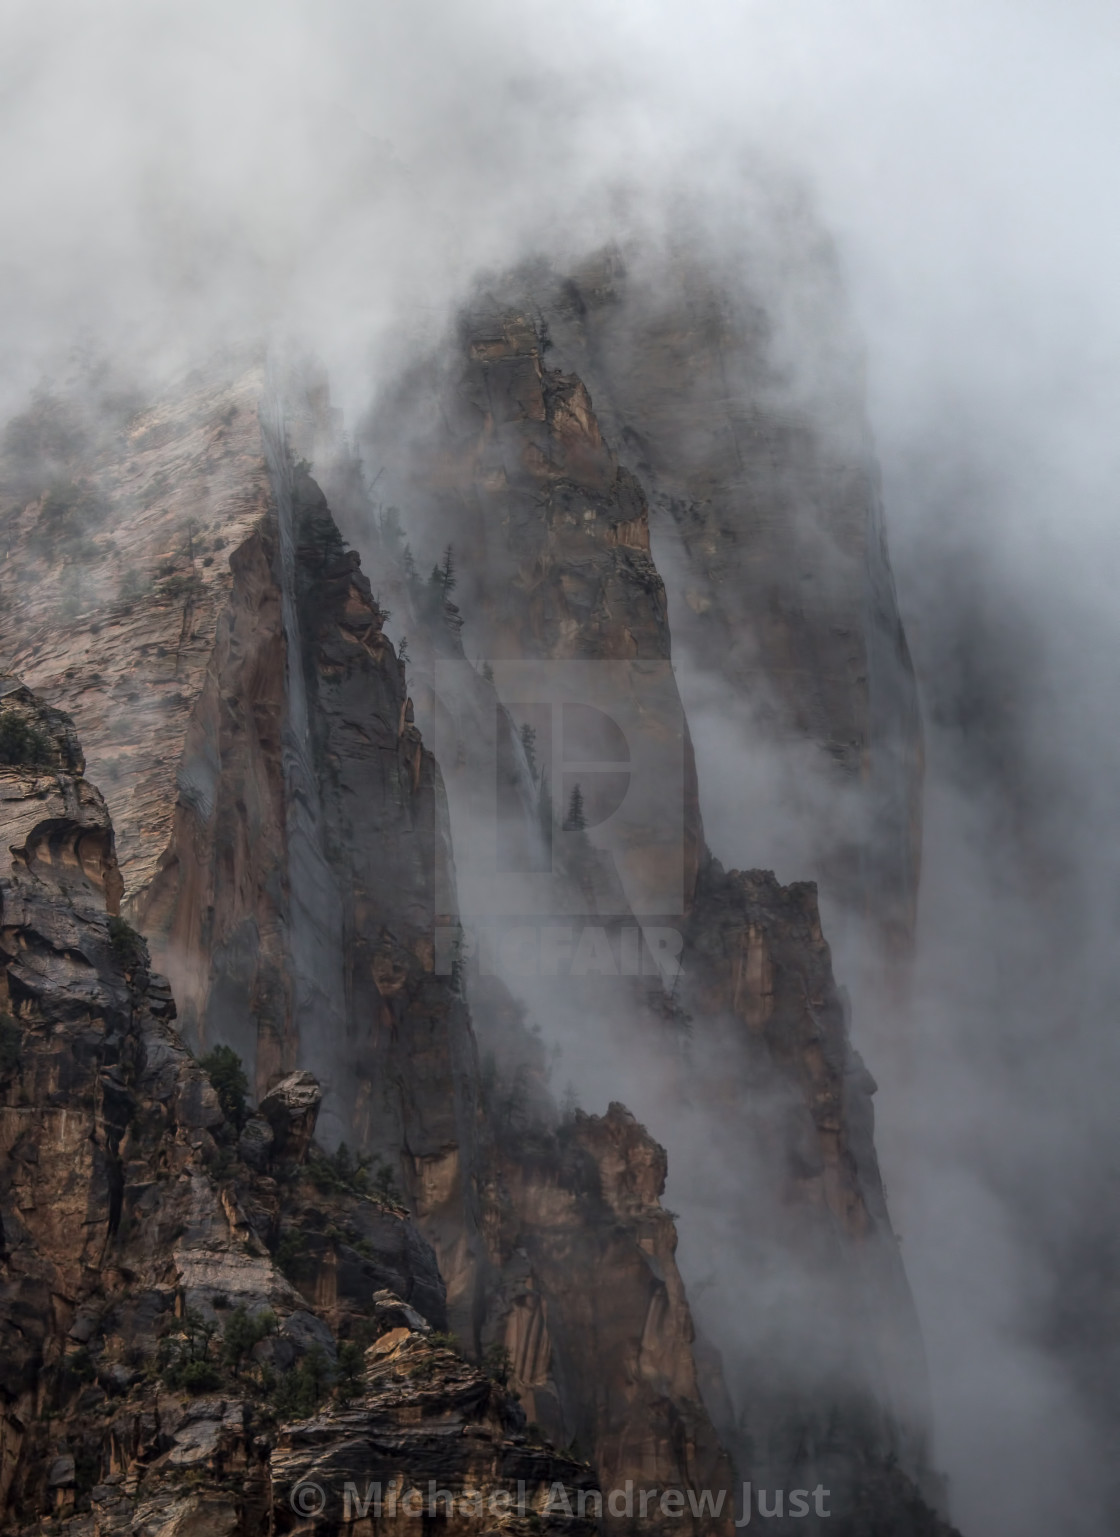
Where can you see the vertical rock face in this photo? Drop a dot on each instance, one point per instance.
(764, 1103)
(281, 828)
(62, 1127)
(767, 525)
(775, 1070)
(128, 530)
(293, 898)
(192, 1337)
(556, 561)
(589, 1305)
(276, 810)
(562, 527)
(766, 507)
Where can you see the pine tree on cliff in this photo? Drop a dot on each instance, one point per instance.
(443, 580)
(390, 530)
(529, 743)
(544, 812)
(226, 1072)
(575, 822)
(441, 584)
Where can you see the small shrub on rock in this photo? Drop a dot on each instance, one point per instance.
(185, 1360)
(351, 1363)
(22, 744)
(497, 1363)
(195, 1377)
(226, 1072)
(291, 1258)
(128, 946)
(445, 1342)
(301, 1393)
(243, 1331)
(340, 1172)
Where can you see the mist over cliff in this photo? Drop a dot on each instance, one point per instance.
(179, 180)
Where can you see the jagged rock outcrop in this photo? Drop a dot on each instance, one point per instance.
(775, 1069)
(596, 1326)
(554, 535)
(282, 835)
(57, 825)
(182, 1332)
(747, 1047)
(562, 530)
(472, 1464)
(759, 491)
(296, 886)
(277, 814)
(767, 517)
(291, 1110)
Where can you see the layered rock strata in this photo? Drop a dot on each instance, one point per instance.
(276, 810)
(295, 886)
(747, 1042)
(284, 858)
(760, 494)
(166, 1281)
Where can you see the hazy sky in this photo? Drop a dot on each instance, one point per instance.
(174, 174)
(163, 163)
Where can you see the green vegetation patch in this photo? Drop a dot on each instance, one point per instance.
(22, 743)
(226, 1072)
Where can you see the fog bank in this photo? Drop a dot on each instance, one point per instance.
(175, 178)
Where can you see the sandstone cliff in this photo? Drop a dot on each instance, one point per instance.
(285, 848)
(201, 1330)
(223, 657)
(740, 1059)
(293, 900)
(768, 527)
(760, 495)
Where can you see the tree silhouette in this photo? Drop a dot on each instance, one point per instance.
(529, 743)
(544, 811)
(226, 1073)
(389, 527)
(441, 584)
(575, 822)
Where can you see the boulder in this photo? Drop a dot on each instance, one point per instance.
(291, 1108)
(256, 1143)
(390, 1313)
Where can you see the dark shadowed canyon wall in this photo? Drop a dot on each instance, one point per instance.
(177, 581)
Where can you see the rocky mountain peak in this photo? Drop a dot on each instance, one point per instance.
(244, 1203)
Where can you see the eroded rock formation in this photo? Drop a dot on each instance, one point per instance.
(742, 1059)
(618, 1434)
(161, 1294)
(768, 526)
(277, 813)
(176, 580)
